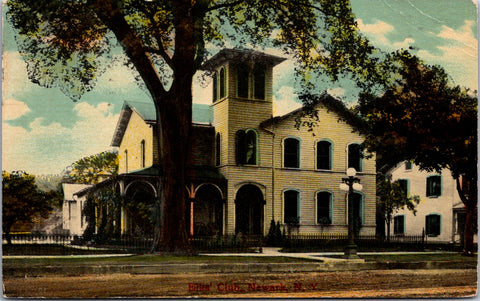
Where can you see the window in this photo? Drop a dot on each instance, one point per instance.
(242, 80)
(217, 149)
(355, 156)
(126, 160)
(291, 153)
(399, 224)
(290, 208)
(403, 185)
(432, 225)
(259, 77)
(434, 186)
(324, 208)
(215, 87)
(223, 83)
(324, 155)
(142, 152)
(408, 165)
(246, 147)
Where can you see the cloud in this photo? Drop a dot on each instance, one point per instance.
(48, 148)
(377, 33)
(12, 109)
(459, 56)
(285, 101)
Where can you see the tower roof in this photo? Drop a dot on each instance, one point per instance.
(240, 55)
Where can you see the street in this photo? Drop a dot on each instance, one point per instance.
(361, 284)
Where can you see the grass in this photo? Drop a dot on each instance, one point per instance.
(456, 257)
(50, 249)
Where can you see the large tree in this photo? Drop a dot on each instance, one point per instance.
(22, 201)
(421, 116)
(67, 44)
(92, 169)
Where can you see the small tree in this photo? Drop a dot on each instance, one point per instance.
(22, 201)
(392, 197)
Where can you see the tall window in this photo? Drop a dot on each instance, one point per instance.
(259, 77)
(246, 147)
(223, 83)
(324, 155)
(324, 208)
(432, 224)
(291, 206)
(404, 186)
(142, 152)
(291, 153)
(126, 160)
(399, 224)
(355, 156)
(242, 80)
(217, 149)
(434, 186)
(215, 87)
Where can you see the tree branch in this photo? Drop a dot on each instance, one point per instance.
(224, 5)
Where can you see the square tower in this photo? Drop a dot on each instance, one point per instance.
(242, 99)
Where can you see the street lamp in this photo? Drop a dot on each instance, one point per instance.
(350, 184)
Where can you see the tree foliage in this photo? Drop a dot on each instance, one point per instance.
(93, 169)
(22, 201)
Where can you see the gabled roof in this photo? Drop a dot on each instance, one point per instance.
(240, 55)
(330, 103)
(200, 114)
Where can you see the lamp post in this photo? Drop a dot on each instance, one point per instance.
(349, 184)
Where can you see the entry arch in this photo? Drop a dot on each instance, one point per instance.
(249, 210)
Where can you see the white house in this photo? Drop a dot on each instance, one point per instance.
(73, 219)
(440, 213)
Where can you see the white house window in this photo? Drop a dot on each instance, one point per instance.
(242, 80)
(399, 224)
(259, 81)
(291, 206)
(324, 208)
(404, 186)
(324, 155)
(432, 225)
(246, 147)
(434, 186)
(291, 153)
(355, 156)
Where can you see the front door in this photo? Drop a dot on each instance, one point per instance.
(249, 205)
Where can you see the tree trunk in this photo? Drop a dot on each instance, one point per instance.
(388, 220)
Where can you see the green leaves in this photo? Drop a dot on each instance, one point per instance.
(94, 168)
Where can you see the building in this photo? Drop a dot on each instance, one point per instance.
(249, 167)
(73, 218)
(440, 213)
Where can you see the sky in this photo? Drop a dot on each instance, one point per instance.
(43, 131)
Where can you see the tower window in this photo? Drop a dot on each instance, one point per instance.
(223, 83)
(355, 156)
(324, 155)
(291, 153)
(290, 207)
(242, 80)
(259, 77)
(215, 87)
(217, 149)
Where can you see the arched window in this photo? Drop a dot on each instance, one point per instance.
(291, 202)
(126, 160)
(291, 153)
(355, 156)
(259, 78)
(215, 87)
(324, 155)
(324, 208)
(242, 80)
(217, 149)
(246, 147)
(142, 152)
(223, 83)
